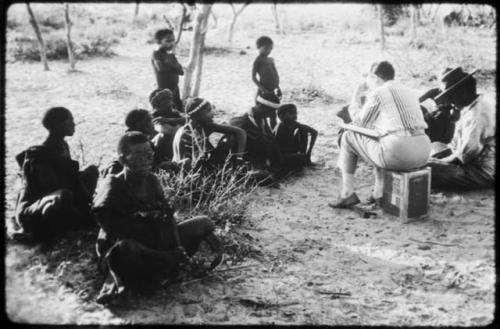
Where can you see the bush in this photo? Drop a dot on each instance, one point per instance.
(22, 48)
(308, 95)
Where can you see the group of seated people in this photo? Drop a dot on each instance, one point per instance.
(451, 129)
(139, 241)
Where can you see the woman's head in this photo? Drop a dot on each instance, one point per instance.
(199, 110)
(59, 120)
(162, 99)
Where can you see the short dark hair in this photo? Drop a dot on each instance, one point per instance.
(286, 108)
(134, 117)
(384, 70)
(130, 138)
(55, 116)
(264, 41)
(160, 34)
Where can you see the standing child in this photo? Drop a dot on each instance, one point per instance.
(295, 140)
(166, 67)
(268, 79)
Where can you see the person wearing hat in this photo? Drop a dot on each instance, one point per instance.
(167, 120)
(192, 142)
(399, 141)
(471, 164)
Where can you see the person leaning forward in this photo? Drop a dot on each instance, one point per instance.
(394, 112)
(471, 164)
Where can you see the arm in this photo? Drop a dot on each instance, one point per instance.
(314, 134)
(240, 134)
(369, 113)
(166, 65)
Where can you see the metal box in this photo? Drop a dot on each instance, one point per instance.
(406, 194)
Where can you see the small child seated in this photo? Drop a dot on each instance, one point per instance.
(55, 195)
(141, 120)
(295, 140)
(167, 121)
(192, 140)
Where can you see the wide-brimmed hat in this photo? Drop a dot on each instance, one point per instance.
(452, 78)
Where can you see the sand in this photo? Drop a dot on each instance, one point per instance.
(308, 251)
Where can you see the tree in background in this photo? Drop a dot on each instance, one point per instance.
(191, 88)
(41, 43)
(236, 13)
(136, 11)
(277, 22)
(68, 23)
(180, 25)
(381, 23)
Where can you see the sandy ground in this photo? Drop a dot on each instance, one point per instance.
(307, 250)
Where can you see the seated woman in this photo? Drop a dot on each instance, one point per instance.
(295, 140)
(139, 242)
(166, 120)
(192, 140)
(471, 164)
(394, 112)
(55, 195)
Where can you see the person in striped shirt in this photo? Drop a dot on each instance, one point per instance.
(392, 111)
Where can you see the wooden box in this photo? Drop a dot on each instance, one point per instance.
(406, 194)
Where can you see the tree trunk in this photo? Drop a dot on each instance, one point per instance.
(214, 17)
(276, 18)
(136, 11)
(413, 28)
(67, 21)
(236, 13)
(41, 43)
(381, 20)
(181, 24)
(196, 51)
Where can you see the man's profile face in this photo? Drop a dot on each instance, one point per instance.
(139, 158)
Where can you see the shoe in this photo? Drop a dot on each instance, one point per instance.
(372, 200)
(351, 200)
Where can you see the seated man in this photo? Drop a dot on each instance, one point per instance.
(471, 164)
(440, 116)
(392, 111)
(140, 120)
(55, 195)
(139, 242)
(295, 140)
(261, 150)
(192, 140)
(167, 121)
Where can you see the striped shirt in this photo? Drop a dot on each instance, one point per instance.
(390, 108)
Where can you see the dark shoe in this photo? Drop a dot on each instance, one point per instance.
(346, 202)
(372, 200)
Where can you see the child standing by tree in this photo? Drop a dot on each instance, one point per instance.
(268, 79)
(166, 67)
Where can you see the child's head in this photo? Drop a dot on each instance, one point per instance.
(135, 152)
(287, 113)
(165, 38)
(265, 45)
(59, 120)
(140, 120)
(199, 110)
(162, 99)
